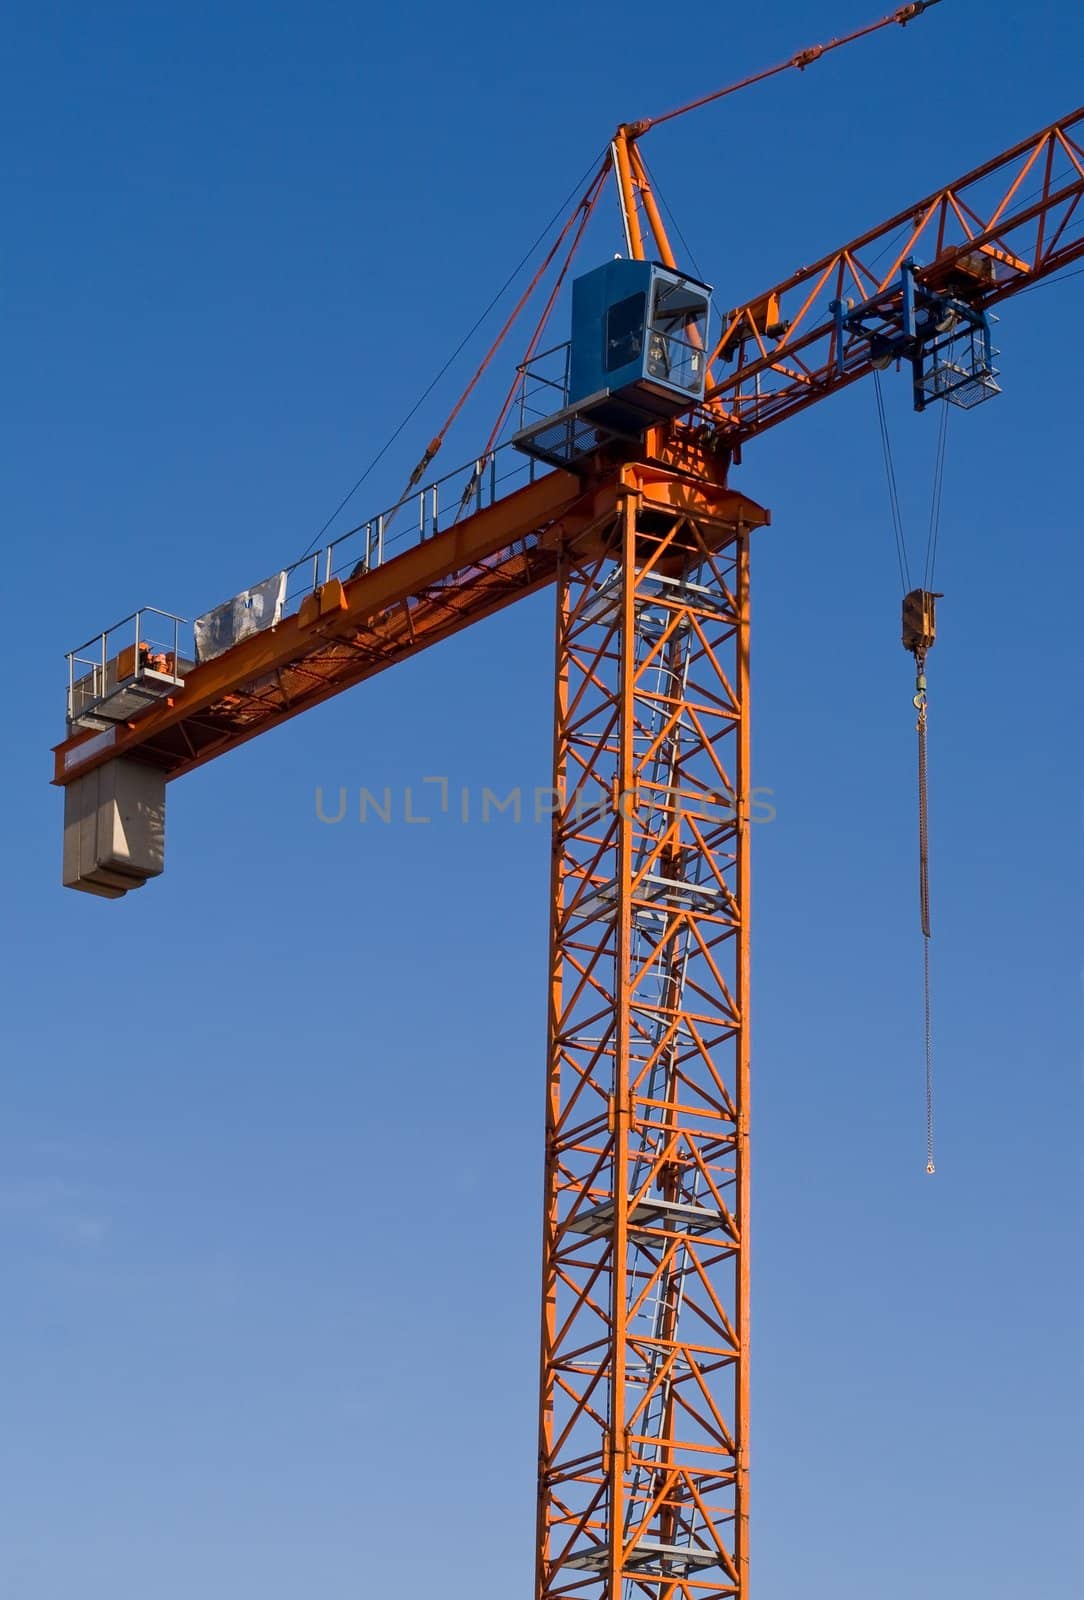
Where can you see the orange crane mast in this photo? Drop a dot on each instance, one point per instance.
(621, 499)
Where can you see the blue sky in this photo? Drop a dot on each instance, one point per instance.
(270, 1157)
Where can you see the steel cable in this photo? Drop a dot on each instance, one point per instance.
(893, 490)
(936, 496)
(456, 353)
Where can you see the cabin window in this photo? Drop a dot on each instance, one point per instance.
(625, 331)
(678, 334)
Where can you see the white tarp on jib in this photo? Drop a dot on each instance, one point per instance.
(248, 612)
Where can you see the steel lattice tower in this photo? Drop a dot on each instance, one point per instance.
(644, 1399)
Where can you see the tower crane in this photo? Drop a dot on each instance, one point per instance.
(617, 489)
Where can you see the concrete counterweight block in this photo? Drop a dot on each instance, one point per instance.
(114, 828)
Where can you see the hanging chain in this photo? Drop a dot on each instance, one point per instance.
(924, 896)
(919, 632)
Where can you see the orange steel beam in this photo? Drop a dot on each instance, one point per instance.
(626, 194)
(353, 630)
(634, 187)
(581, 214)
(651, 208)
(1009, 223)
(585, 212)
(644, 1380)
(347, 632)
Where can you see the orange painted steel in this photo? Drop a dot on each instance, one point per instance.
(574, 224)
(429, 592)
(663, 248)
(634, 189)
(1009, 223)
(644, 1404)
(481, 564)
(626, 194)
(584, 212)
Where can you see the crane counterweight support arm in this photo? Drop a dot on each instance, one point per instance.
(349, 631)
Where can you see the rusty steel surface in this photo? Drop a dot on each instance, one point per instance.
(644, 1379)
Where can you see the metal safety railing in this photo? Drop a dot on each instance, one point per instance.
(146, 645)
(419, 516)
(96, 667)
(543, 385)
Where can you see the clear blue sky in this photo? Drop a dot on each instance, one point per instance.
(271, 1138)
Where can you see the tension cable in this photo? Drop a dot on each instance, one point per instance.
(919, 631)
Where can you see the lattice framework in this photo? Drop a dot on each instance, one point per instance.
(642, 1487)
